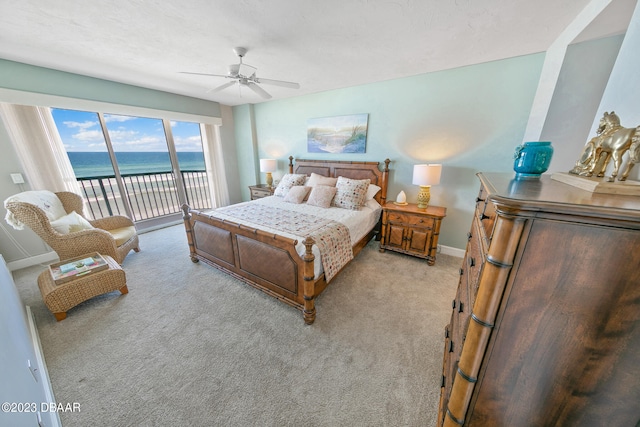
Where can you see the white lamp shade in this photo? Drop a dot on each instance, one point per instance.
(427, 174)
(268, 165)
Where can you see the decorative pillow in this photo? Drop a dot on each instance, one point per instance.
(321, 195)
(351, 193)
(296, 194)
(316, 179)
(71, 223)
(288, 181)
(372, 191)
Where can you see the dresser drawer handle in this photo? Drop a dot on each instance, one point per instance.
(478, 199)
(472, 262)
(469, 236)
(461, 271)
(483, 217)
(453, 304)
(461, 307)
(450, 346)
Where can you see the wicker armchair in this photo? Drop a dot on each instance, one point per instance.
(114, 236)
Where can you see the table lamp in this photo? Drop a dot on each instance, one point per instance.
(425, 176)
(268, 166)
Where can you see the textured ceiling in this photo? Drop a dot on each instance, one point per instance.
(322, 45)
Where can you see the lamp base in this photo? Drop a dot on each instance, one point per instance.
(269, 179)
(424, 196)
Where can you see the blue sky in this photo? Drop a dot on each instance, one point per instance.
(80, 131)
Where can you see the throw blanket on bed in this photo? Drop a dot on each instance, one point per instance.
(331, 237)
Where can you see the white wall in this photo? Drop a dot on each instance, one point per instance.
(576, 98)
(622, 93)
(18, 384)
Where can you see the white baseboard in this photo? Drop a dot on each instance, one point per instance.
(448, 250)
(34, 260)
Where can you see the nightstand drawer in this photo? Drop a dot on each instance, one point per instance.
(259, 191)
(411, 219)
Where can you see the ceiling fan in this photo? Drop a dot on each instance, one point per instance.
(245, 75)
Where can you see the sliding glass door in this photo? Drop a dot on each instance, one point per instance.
(133, 165)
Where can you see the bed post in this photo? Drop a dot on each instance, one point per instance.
(309, 311)
(385, 181)
(186, 216)
(290, 164)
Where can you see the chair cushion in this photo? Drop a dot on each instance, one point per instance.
(71, 223)
(123, 234)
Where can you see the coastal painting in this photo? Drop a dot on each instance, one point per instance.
(340, 134)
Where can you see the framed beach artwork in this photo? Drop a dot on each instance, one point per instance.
(340, 134)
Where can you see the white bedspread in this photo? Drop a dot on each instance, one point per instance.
(359, 222)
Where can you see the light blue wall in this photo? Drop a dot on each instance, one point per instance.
(470, 119)
(31, 79)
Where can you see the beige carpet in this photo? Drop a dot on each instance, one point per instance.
(190, 345)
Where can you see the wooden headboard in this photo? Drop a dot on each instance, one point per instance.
(347, 169)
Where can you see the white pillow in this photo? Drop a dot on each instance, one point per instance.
(372, 204)
(316, 179)
(71, 223)
(296, 194)
(288, 181)
(372, 191)
(321, 195)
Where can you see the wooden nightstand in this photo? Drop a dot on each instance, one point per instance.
(261, 190)
(411, 231)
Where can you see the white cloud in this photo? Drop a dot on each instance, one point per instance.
(89, 135)
(84, 125)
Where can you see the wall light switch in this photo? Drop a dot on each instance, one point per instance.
(17, 178)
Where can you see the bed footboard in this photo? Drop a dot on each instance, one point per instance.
(268, 262)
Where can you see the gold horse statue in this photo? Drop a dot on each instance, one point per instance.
(611, 142)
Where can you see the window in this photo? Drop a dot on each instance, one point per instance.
(143, 167)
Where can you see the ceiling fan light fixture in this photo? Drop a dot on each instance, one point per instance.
(246, 70)
(233, 70)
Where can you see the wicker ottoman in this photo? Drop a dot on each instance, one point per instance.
(62, 297)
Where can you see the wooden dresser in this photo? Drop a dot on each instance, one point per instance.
(545, 326)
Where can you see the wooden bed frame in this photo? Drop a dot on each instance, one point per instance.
(268, 261)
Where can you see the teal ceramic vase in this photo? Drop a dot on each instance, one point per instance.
(532, 159)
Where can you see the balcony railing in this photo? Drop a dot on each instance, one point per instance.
(150, 195)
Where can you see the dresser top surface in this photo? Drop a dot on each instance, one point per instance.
(548, 194)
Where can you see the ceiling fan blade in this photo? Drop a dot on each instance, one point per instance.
(278, 83)
(257, 89)
(203, 74)
(224, 86)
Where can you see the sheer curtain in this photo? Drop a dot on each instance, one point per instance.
(214, 162)
(37, 142)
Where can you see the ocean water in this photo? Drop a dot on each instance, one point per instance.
(94, 164)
